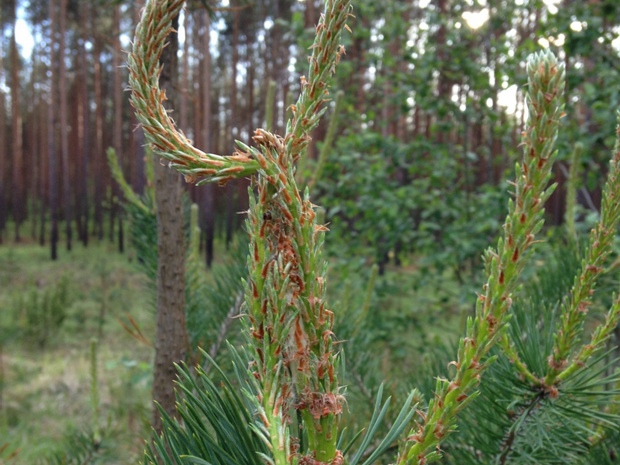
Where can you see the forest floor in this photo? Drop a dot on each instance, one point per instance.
(51, 311)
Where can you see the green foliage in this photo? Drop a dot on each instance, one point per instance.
(7, 453)
(129, 383)
(91, 444)
(41, 312)
(402, 420)
(128, 192)
(366, 205)
(46, 392)
(515, 422)
(143, 236)
(80, 446)
(212, 305)
(218, 424)
(382, 194)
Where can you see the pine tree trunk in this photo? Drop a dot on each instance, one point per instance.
(118, 122)
(266, 69)
(44, 171)
(64, 127)
(183, 122)
(171, 337)
(84, 125)
(205, 136)
(34, 148)
(17, 193)
(3, 154)
(98, 151)
(250, 39)
(234, 117)
(51, 135)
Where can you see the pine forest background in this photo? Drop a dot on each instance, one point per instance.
(410, 165)
(431, 86)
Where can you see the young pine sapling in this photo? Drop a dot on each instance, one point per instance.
(293, 372)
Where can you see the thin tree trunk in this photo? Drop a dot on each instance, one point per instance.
(118, 122)
(44, 171)
(266, 63)
(51, 115)
(35, 149)
(171, 338)
(250, 38)
(98, 151)
(16, 133)
(183, 123)
(3, 155)
(84, 125)
(310, 15)
(230, 187)
(64, 127)
(205, 136)
(184, 93)
(75, 147)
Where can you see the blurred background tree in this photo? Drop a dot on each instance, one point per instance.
(433, 84)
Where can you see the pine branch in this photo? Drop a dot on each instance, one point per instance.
(147, 99)
(599, 337)
(502, 422)
(519, 420)
(291, 328)
(117, 174)
(574, 312)
(503, 266)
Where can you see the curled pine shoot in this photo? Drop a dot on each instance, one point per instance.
(503, 265)
(290, 325)
(147, 99)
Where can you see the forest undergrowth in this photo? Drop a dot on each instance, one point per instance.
(46, 390)
(46, 381)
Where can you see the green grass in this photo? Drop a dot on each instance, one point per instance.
(46, 391)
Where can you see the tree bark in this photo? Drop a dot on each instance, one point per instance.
(118, 122)
(183, 120)
(250, 51)
(34, 148)
(98, 151)
(64, 127)
(16, 133)
(84, 126)
(51, 121)
(171, 337)
(205, 137)
(44, 171)
(234, 119)
(3, 155)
